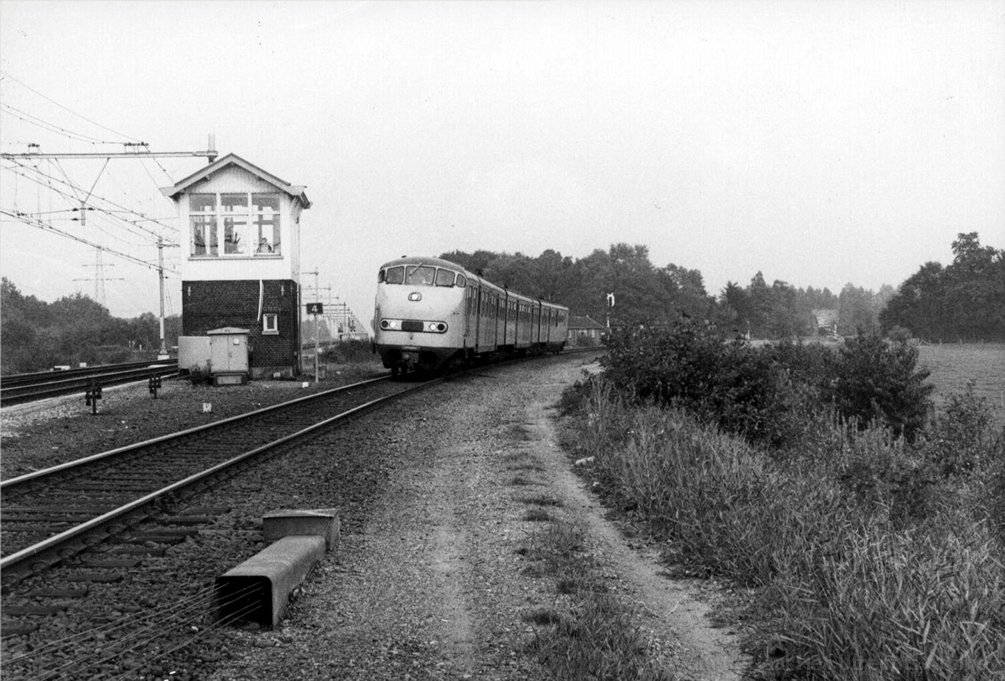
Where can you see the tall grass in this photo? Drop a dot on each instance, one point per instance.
(865, 564)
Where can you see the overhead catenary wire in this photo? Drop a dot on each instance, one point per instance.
(5, 74)
(144, 233)
(67, 182)
(39, 224)
(53, 128)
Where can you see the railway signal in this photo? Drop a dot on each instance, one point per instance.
(92, 396)
(155, 384)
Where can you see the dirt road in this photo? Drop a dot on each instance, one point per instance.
(434, 586)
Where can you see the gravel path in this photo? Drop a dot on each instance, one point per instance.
(432, 585)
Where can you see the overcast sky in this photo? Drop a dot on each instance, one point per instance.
(819, 142)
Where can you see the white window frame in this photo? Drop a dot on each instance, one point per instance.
(245, 221)
(273, 240)
(270, 324)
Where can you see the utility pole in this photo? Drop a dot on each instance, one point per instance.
(163, 353)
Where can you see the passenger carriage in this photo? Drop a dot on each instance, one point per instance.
(430, 311)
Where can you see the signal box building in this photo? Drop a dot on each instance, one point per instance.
(240, 264)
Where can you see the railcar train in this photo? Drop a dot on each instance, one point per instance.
(430, 312)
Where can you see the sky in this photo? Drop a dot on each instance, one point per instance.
(819, 142)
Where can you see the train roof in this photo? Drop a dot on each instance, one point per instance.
(425, 260)
(482, 281)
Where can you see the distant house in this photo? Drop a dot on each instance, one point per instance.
(584, 331)
(827, 321)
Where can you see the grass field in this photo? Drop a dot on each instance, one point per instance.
(953, 365)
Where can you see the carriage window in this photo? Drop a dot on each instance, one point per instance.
(420, 275)
(395, 275)
(444, 278)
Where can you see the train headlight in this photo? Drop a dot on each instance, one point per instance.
(415, 296)
(390, 324)
(436, 327)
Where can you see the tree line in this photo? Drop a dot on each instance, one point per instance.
(643, 293)
(962, 302)
(35, 335)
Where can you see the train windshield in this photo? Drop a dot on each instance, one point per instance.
(393, 275)
(444, 278)
(419, 275)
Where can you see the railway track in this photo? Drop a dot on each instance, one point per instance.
(76, 534)
(47, 511)
(108, 564)
(20, 388)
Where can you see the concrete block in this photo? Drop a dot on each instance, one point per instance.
(322, 522)
(259, 589)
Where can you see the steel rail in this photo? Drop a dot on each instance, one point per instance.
(27, 477)
(28, 392)
(95, 523)
(35, 377)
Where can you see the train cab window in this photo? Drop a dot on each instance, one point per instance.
(395, 275)
(444, 277)
(461, 281)
(419, 275)
(380, 276)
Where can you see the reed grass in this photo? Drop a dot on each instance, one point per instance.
(864, 565)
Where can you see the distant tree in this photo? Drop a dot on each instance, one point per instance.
(856, 312)
(35, 335)
(963, 301)
(759, 296)
(784, 318)
(642, 293)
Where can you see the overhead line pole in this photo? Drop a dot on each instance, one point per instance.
(163, 354)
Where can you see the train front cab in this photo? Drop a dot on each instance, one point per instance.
(419, 321)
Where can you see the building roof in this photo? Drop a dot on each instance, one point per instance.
(294, 190)
(583, 323)
(826, 317)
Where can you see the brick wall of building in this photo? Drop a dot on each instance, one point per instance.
(208, 305)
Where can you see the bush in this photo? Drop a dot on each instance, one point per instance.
(875, 381)
(960, 440)
(743, 390)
